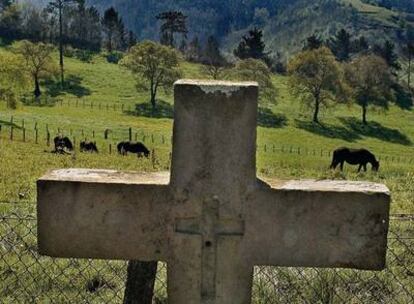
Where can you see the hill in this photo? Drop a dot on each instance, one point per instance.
(286, 22)
(100, 96)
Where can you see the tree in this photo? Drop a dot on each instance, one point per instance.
(10, 22)
(370, 80)
(256, 70)
(173, 22)
(194, 51)
(58, 7)
(111, 23)
(12, 77)
(341, 45)
(252, 46)
(313, 42)
(388, 53)
(132, 39)
(315, 78)
(38, 62)
(214, 62)
(408, 52)
(154, 65)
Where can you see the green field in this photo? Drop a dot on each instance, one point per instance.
(102, 96)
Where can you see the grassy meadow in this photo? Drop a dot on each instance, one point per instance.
(100, 96)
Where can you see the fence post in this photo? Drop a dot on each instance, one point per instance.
(152, 138)
(24, 134)
(130, 134)
(93, 133)
(48, 138)
(36, 136)
(153, 158)
(110, 148)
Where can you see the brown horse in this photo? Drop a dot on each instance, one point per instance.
(359, 157)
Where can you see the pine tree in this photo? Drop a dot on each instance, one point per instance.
(252, 46)
(110, 23)
(173, 22)
(58, 7)
(194, 52)
(313, 42)
(388, 53)
(132, 39)
(340, 45)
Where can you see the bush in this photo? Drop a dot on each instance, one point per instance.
(69, 52)
(114, 57)
(84, 55)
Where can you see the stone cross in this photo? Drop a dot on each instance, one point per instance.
(212, 220)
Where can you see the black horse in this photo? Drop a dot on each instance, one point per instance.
(62, 144)
(88, 146)
(131, 147)
(359, 157)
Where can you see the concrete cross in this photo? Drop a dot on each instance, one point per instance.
(212, 221)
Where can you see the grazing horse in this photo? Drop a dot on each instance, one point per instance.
(131, 147)
(359, 157)
(88, 146)
(62, 143)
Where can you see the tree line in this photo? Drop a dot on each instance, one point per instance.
(327, 72)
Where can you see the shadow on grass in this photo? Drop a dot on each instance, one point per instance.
(268, 119)
(73, 86)
(162, 110)
(376, 130)
(328, 130)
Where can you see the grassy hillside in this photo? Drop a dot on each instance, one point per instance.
(102, 96)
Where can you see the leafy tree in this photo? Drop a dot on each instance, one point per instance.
(154, 65)
(388, 53)
(12, 77)
(256, 70)
(315, 78)
(252, 46)
(360, 45)
(58, 7)
(38, 60)
(173, 22)
(341, 45)
(214, 62)
(313, 42)
(370, 80)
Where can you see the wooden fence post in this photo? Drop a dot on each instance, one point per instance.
(48, 138)
(24, 134)
(130, 134)
(36, 136)
(110, 148)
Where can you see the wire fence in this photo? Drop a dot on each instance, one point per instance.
(108, 139)
(27, 277)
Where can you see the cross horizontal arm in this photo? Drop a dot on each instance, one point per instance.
(103, 214)
(319, 224)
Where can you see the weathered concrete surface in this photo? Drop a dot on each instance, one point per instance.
(214, 220)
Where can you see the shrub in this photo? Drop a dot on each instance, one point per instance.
(114, 57)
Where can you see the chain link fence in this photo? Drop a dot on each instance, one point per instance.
(27, 277)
